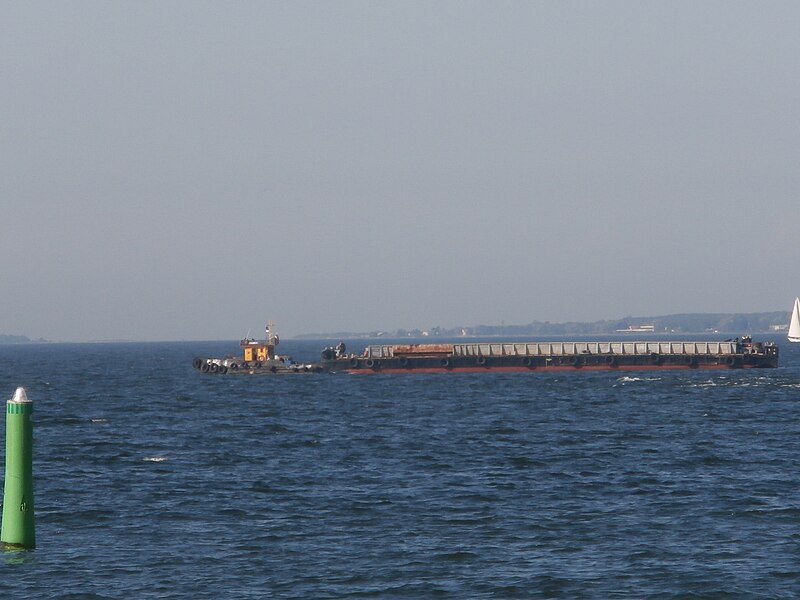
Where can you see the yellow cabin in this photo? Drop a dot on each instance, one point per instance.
(260, 351)
(257, 351)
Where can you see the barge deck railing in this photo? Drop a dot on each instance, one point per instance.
(560, 349)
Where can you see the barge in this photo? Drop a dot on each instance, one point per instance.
(479, 357)
(259, 357)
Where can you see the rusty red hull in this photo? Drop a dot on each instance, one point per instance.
(551, 369)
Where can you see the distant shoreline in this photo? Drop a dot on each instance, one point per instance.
(687, 323)
(16, 339)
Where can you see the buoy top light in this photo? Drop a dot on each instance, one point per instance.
(20, 396)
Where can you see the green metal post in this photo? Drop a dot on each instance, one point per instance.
(18, 526)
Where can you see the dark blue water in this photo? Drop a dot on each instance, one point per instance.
(153, 481)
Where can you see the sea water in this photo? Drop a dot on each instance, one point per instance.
(155, 481)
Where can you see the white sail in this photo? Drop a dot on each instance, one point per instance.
(794, 324)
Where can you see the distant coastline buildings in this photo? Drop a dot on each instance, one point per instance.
(638, 329)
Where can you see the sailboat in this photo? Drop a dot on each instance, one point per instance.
(794, 324)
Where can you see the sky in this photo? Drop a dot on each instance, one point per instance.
(187, 170)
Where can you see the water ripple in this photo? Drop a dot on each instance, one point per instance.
(155, 482)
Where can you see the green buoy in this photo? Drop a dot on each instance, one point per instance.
(18, 527)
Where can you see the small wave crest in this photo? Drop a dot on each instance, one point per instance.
(633, 378)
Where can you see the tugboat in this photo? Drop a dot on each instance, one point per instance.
(258, 358)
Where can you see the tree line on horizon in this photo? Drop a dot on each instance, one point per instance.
(13, 339)
(679, 323)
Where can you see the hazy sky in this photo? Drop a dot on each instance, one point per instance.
(186, 170)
